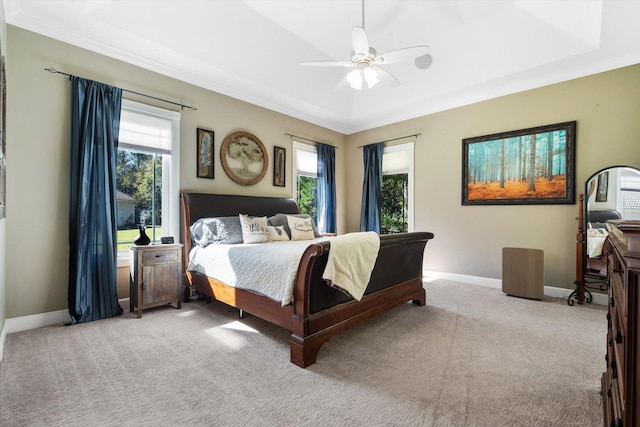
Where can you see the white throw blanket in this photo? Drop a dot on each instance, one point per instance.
(351, 259)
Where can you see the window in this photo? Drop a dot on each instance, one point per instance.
(397, 185)
(628, 203)
(147, 173)
(397, 189)
(305, 166)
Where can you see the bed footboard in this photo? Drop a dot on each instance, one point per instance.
(320, 311)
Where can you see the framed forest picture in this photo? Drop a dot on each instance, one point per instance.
(527, 166)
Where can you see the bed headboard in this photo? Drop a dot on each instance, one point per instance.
(204, 205)
(602, 216)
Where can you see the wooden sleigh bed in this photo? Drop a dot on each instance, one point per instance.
(318, 311)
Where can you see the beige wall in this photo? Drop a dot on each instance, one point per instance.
(469, 239)
(38, 195)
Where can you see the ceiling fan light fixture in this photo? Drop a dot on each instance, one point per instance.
(370, 76)
(355, 79)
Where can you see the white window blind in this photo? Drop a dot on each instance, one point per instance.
(306, 160)
(396, 162)
(629, 179)
(144, 131)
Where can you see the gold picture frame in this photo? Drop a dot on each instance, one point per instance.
(244, 158)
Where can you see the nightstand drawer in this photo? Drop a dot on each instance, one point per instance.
(158, 256)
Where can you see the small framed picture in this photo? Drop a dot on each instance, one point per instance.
(205, 153)
(603, 187)
(279, 166)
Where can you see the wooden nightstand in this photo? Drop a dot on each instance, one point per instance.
(155, 276)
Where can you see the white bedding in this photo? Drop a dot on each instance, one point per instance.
(595, 240)
(266, 268)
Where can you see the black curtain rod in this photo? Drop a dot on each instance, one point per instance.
(394, 139)
(311, 140)
(182, 106)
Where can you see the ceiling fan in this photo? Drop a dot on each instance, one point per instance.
(366, 61)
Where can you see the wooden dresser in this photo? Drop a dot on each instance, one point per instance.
(621, 380)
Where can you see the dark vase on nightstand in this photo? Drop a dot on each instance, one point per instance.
(142, 238)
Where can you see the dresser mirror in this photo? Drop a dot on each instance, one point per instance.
(610, 193)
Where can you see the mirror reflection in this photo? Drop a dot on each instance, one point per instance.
(610, 193)
(613, 193)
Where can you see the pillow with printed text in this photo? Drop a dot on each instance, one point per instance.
(301, 228)
(254, 230)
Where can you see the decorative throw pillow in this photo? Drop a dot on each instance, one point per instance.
(277, 233)
(254, 230)
(301, 228)
(281, 220)
(217, 230)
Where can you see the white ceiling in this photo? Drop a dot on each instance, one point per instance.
(252, 49)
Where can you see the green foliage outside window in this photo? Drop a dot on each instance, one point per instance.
(395, 189)
(139, 175)
(307, 193)
(394, 218)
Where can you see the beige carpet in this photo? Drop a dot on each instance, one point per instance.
(471, 357)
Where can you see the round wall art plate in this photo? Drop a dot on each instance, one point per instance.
(244, 158)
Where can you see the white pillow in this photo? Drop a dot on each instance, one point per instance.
(254, 230)
(277, 233)
(301, 228)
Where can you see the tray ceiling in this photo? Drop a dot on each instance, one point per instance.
(252, 49)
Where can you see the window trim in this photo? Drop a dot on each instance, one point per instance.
(170, 184)
(409, 147)
(302, 147)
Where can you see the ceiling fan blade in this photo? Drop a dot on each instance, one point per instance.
(327, 64)
(359, 41)
(341, 84)
(386, 77)
(401, 54)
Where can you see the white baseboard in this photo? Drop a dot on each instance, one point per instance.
(60, 317)
(550, 291)
(23, 323)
